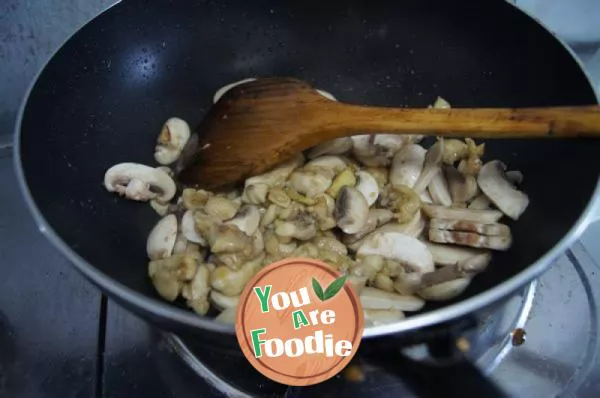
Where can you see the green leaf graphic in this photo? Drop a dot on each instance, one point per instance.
(334, 288)
(318, 289)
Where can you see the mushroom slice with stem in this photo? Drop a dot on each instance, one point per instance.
(431, 166)
(495, 229)
(351, 210)
(277, 176)
(412, 228)
(501, 192)
(450, 213)
(376, 218)
(481, 202)
(246, 219)
(310, 183)
(375, 299)
(367, 185)
(399, 247)
(222, 301)
(220, 92)
(338, 146)
(445, 290)
(378, 150)
(139, 182)
(462, 187)
(382, 317)
(450, 255)
(161, 240)
(174, 135)
(438, 188)
(328, 166)
(407, 165)
(471, 239)
(188, 228)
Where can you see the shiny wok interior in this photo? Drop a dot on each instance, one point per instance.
(103, 97)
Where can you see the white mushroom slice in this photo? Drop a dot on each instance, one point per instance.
(188, 228)
(246, 219)
(339, 146)
(330, 244)
(351, 210)
(344, 178)
(515, 177)
(255, 194)
(232, 282)
(160, 208)
(375, 299)
(309, 183)
(450, 213)
(462, 187)
(221, 208)
(161, 240)
(470, 239)
(464, 268)
(407, 165)
(378, 150)
(438, 188)
(302, 228)
(181, 244)
(495, 229)
(220, 92)
(227, 316)
(174, 135)
(412, 228)
(481, 202)
(367, 266)
(367, 185)
(399, 247)
(376, 218)
(196, 292)
(222, 301)
(501, 192)
(425, 197)
(382, 317)
(278, 175)
(431, 166)
(445, 290)
(329, 166)
(450, 255)
(326, 94)
(139, 182)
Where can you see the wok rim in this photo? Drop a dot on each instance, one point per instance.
(160, 308)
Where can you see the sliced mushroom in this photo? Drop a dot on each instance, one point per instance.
(343, 179)
(194, 199)
(323, 211)
(246, 219)
(384, 282)
(232, 282)
(221, 208)
(220, 92)
(375, 299)
(351, 210)
(481, 202)
(412, 228)
(278, 175)
(407, 283)
(174, 135)
(450, 255)
(228, 315)
(328, 166)
(380, 174)
(450, 213)
(445, 290)
(431, 166)
(472, 164)
(338, 146)
(188, 228)
(161, 240)
(407, 165)
(399, 247)
(515, 177)
(494, 229)
(441, 103)
(275, 248)
(222, 301)
(367, 185)
(376, 218)
(309, 182)
(169, 274)
(229, 239)
(471, 239)
(160, 208)
(139, 182)
(269, 216)
(197, 291)
(425, 197)
(279, 197)
(467, 267)
(454, 150)
(402, 200)
(367, 266)
(438, 188)
(255, 193)
(358, 283)
(382, 317)
(303, 227)
(462, 187)
(501, 192)
(330, 244)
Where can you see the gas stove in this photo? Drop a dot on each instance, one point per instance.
(60, 337)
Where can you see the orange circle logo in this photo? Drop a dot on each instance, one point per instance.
(299, 322)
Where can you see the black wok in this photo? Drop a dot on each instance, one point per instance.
(103, 96)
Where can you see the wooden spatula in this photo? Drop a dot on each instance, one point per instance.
(257, 125)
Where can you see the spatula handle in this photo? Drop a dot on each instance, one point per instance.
(555, 122)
